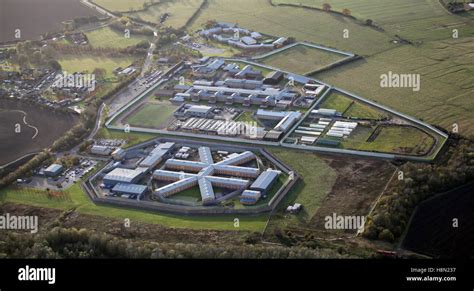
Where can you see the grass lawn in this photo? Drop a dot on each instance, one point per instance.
(351, 107)
(336, 101)
(132, 138)
(83, 63)
(318, 180)
(301, 59)
(152, 115)
(359, 110)
(74, 197)
(193, 195)
(179, 12)
(107, 37)
(391, 139)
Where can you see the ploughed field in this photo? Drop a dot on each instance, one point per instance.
(36, 17)
(38, 128)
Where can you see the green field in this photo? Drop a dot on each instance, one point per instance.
(318, 180)
(447, 80)
(121, 5)
(179, 10)
(303, 24)
(391, 139)
(132, 138)
(351, 108)
(412, 19)
(74, 197)
(362, 111)
(336, 101)
(87, 64)
(301, 59)
(107, 37)
(152, 114)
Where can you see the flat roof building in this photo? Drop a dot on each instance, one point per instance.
(120, 175)
(53, 170)
(129, 189)
(265, 180)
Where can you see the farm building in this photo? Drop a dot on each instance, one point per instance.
(129, 189)
(53, 170)
(265, 181)
(120, 175)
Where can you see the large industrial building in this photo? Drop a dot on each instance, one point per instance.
(186, 174)
(120, 175)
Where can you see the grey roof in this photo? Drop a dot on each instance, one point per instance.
(265, 180)
(238, 159)
(205, 155)
(171, 175)
(53, 168)
(129, 188)
(237, 171)
(171, 163)
(205, 187)
(123, 175)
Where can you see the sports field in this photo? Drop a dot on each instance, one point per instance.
(107, 37)
(301, 59)
(151, 115)
(179, 12)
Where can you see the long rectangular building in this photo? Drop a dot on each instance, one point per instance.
(120, 175)
(265, 180)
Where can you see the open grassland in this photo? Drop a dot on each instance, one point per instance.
(318, 180)
(132, 138)
(74, 197)
(107, 37)
(336, 101)
(413, 19)
(301, 59)
(87, 64)
(391, 139)
(121, 5)
(151, 115)
(303, 24)
(180, 11)
(351, 108)
(447, 81)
